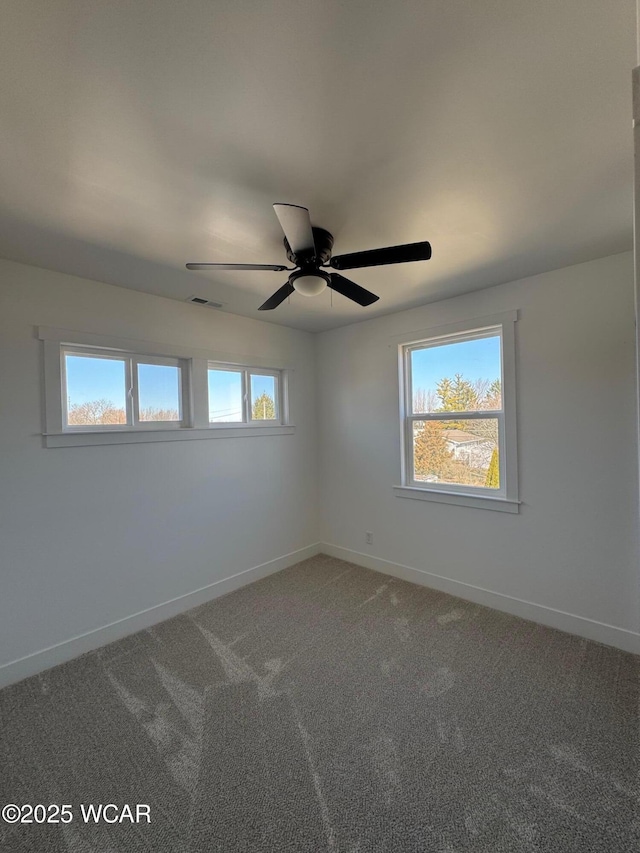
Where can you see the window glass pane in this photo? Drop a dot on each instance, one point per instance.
(457, 377)
(96, 390)
(462, 452)
(264, 406)
(159, 392)
(225, 396)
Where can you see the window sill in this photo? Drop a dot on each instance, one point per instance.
(459, 498)
(134, 436)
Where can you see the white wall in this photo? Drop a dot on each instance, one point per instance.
(574, 545)
(92, 535)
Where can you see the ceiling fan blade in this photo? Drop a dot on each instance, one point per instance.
(275, 267)
(278, 297)
(378, 257)
(296, 224)
(352, 290)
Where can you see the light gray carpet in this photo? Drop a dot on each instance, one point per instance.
(331, 708)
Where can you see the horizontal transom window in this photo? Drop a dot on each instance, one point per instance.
(121, 390)
(244, 394)
(106, 390)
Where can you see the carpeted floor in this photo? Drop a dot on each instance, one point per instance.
(331, 708)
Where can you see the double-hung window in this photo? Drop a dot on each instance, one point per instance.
(458, 415)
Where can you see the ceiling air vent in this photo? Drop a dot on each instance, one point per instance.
(198, 300)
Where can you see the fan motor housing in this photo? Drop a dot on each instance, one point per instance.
(324, 244)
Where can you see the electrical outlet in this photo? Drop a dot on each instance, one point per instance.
(368, 537)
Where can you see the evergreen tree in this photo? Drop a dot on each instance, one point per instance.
(444, 390)
(430, 454)
(458, 395)
(264, 408)
(493, 472)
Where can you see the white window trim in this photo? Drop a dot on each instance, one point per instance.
(195, 400)
(506, 499)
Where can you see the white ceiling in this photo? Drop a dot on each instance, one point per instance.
(138, 136)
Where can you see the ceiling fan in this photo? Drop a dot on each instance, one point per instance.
(309, 249)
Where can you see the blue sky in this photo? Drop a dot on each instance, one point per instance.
(479, 359)
(225, 395)
(159, 386)
(95, 379)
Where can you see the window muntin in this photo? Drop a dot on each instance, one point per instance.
(244, 395)
(120, 391)
(454, 423)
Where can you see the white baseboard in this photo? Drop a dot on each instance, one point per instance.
(36, 662)
(74, 646)
(620, 638)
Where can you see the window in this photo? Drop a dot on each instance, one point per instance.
(243, 395)
(103, 390)
(458, 416)
(226, 396)
(264, 397)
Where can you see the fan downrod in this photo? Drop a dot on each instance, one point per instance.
(324, 244)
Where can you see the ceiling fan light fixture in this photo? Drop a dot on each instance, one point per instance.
(309, 247)
(310, 284)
